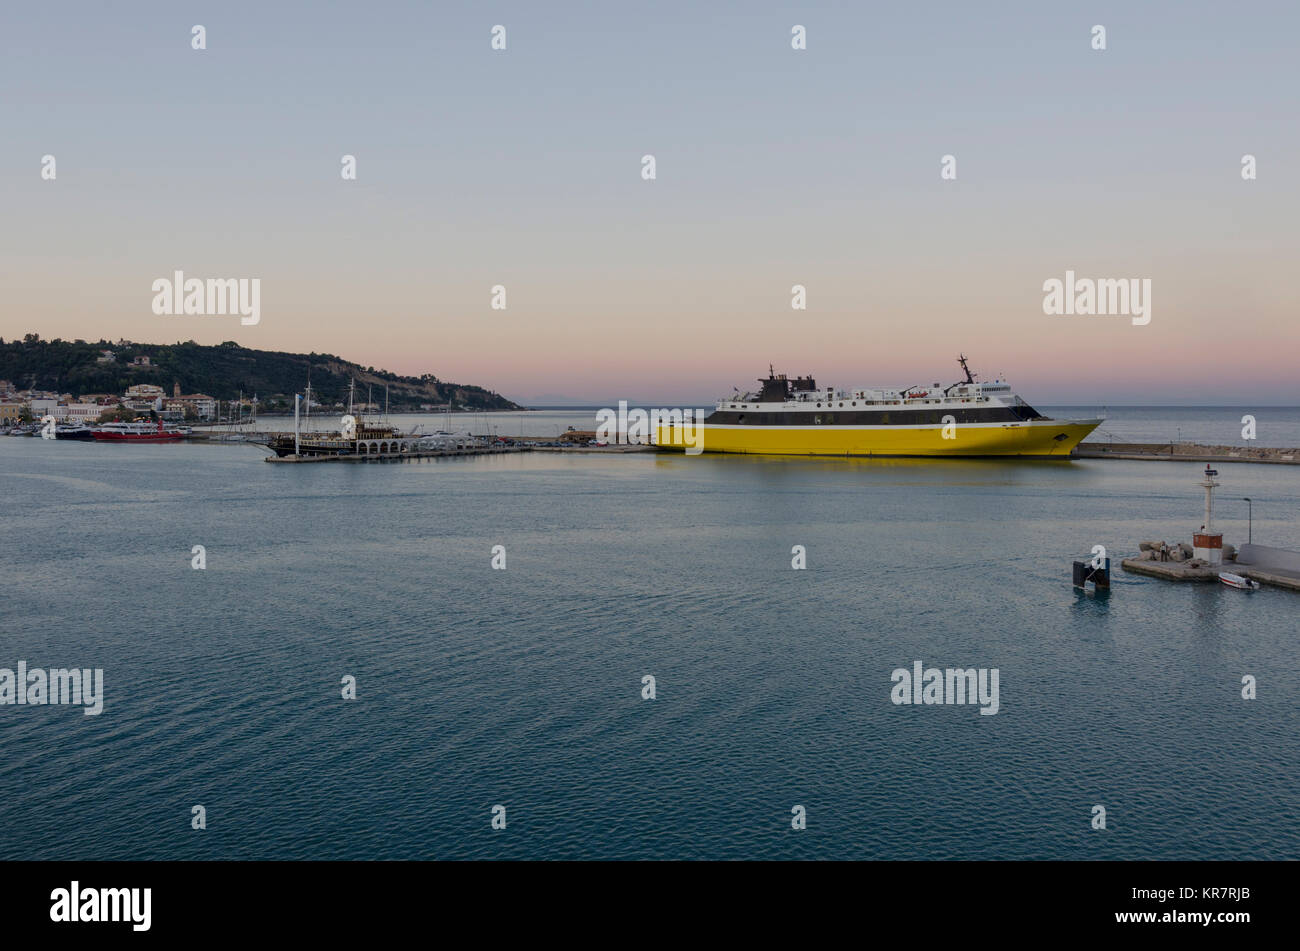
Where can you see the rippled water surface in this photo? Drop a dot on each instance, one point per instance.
(522, 687)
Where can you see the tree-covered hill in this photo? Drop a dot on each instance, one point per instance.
(223, 371)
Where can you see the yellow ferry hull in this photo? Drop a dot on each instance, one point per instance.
(1039, 437)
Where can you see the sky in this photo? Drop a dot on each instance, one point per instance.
(523, 168)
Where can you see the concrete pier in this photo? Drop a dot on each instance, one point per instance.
(612, 448)
(1268, 577)
(1175, 571)
(1172, 570)
(399, 456)
(1207, 557)
(1185, 452)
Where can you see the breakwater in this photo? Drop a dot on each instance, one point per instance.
(1186, 452)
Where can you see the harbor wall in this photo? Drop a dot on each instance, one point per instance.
(1185, 452)
(1261, 556)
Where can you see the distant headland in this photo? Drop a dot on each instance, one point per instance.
(225, 372)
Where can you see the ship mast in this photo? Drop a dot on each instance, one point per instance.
(961, 361)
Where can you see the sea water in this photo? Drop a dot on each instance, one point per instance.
(523, 688)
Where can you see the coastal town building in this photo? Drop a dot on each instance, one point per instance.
(202, 405)
(145, 405)
(144, 391)
(143, 397)
(84, 412)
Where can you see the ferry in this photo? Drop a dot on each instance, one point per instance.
(796, 417)
(139, 431)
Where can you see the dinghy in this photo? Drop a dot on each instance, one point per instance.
(1237, 581)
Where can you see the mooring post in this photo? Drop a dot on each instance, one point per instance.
(1099, 575)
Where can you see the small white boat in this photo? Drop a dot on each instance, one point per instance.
(1237, 581)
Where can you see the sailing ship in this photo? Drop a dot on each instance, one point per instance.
(356, 435)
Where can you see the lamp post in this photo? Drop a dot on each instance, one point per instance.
(1250, 520)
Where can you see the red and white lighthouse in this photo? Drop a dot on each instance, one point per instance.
(1207, 542)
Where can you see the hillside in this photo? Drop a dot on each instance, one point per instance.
(223, 371)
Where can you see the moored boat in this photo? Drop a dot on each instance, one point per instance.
(362, 438)
(73, 431)
(138, 431)
(1238, 581)
(357, 436)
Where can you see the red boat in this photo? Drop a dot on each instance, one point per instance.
(137, 432)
